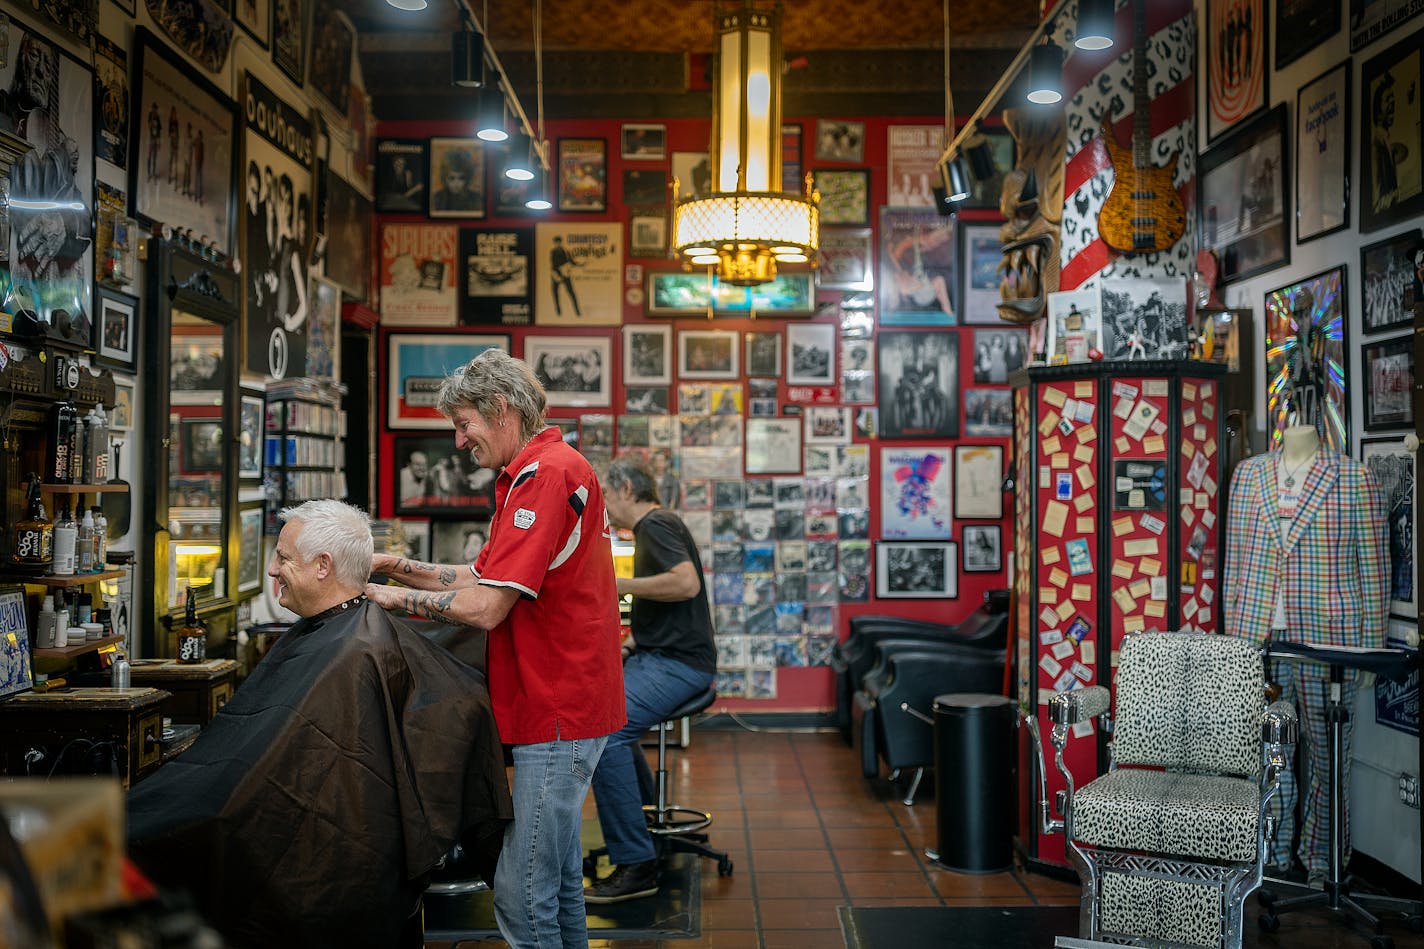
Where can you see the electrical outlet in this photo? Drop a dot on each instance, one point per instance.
(1409, 790)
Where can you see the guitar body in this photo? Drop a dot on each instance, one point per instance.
(1143, 212)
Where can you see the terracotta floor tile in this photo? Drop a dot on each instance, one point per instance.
(863, 838)
(784, 838)
(953, 885)
(878, 860)
(711, 939)
(799, 914)
(899, 885)
(794, 817)
(729, 914)
(872, 815)
(806, 861)
(805, 939)
(784, 886)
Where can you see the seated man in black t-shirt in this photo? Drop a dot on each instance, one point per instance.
(672, 659)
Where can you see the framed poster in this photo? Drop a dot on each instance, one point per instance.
(1242, 198)
(324, 330)
(1144, 318)
(254, 16)
(251, 432)
(648, 230)
(348, 237)
(676, 293)
(846, 259)
(917, 268)
(435, 478)
(811, 349)
(116, 330)
(979, 482)
(1372, 19)
(580, 281)
(1322, 154)
(693, 174)
(332, 43)
(840, 140)
(919, 384)
(583, 174)
(845, 195)
(708, 354)
(457, 177)
(983, 548)
(416, 365)
(914, 494)
(1075, 326)
(643, 142)
(401, 170)
(574, 370)
(495, 274)
(111, 102)
(1236, 62)
(457, 541)
(289, 25)
(647, 355)
(16, 675)
(982, 252)
(1392, 269)
(1391, 167)
(1302, 25)
(1393, 468)
(912, 164)
(249, 548)
(1389, 374)
(419, 263)
(645, 186)
(1307, 379)
(791, 175)
(773, 446)
(916, 571)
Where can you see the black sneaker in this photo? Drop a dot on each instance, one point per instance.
(629, 881)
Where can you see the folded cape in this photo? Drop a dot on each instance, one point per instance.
(311, 808)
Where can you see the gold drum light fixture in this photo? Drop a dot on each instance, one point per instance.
(747, 224)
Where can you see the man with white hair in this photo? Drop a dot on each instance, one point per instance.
(314, 805)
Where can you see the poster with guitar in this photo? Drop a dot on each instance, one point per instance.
(578, 270)
(1236, 62)
(1143, 213)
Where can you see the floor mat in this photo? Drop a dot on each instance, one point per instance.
(973, 927)
(676, 912)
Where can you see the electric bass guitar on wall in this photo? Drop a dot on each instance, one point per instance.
(1143, 211)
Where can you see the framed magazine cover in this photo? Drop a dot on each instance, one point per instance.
(416, 364)
(1322, 155)
(1391, 136)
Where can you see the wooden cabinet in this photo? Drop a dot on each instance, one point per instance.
(197, 690)
(84, 731)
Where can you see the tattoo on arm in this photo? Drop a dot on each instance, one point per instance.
(413, 566)
(447, 576)
(431, 605)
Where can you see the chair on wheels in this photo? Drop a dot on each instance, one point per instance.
(1170, 842)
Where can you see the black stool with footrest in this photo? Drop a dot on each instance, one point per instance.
(1394, 664)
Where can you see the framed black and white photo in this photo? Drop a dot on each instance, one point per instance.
(1389, 369)
(251, 432)
(845, 194)
(574, 370)
(647, 355)
(644, 142)
(988, 413)
(828, 424)
(1391, 135)
(254, 16)
(401, 174)
(249, 548)
(846, 259)
(840, 140)
(982, 253)
(707, 354)
(997, 353)
(202, 442)
(1373, 19)
(1242, 194)
(434, 478)
(647, 230)
(773, 446)
(763, 354)
(1237, 68)
(1392, 465)
(919, 384)
(116, 330)
(907, 570)
(1322, 154)
(1302, 25)
(645, 400)
(289, 43)
(1144, 318)
(811, 354)
(983, 548)
(415, 539)
(1392, 270)
(457, 542)
(333, 42)
(979, 482)
(457, 178)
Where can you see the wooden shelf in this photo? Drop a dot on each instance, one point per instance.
(49, 580)
(78, 649)
(84, 488)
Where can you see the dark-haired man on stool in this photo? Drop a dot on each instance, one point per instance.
(672, 659)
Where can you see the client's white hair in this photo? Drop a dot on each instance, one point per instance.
(336, 528)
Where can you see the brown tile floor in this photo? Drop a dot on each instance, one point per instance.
(808, 834)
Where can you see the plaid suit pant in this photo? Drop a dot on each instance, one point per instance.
(1306, 685)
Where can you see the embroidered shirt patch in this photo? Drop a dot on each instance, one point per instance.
(524, 518)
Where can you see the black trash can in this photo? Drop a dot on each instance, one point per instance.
(974, 782)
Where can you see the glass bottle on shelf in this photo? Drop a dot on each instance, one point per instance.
(66, 538)
(34, 534)
(192, 635)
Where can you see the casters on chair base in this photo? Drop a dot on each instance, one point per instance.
(1381, 942)
(724, 867)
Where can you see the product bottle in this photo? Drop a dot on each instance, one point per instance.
(61, 623)
(82, 459)
(98, 445)
(86, 609)
(84, 546)
(77, 446)
(66, 536)
(192, 636)
(63, 419)
(101, 535)
(34, 534)
(44, 628)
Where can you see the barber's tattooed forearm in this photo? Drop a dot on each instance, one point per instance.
(431, 605)
(416, 566)
(447, 576)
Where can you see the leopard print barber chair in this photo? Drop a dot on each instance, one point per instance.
(1171, 840)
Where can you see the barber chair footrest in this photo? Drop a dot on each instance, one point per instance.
(1174, 911)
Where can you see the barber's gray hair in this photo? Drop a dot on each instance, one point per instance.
(336, 528)
(632, 471)
(489, 380)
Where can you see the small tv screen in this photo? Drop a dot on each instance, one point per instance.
(15, 672)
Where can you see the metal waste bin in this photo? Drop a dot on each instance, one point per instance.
(974, 782)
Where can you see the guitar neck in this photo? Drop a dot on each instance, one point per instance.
(1141, 120)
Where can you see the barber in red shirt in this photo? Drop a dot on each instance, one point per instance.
(544, 588)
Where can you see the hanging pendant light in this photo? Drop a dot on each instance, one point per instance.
(956, 181)
(489, 117)
(467, 59)
(519, 164)
(538, 190)
(1095, 24)
(1045, 74)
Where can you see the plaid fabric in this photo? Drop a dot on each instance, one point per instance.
(1306, 685)
(1331, 560)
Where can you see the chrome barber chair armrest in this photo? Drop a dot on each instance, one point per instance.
(1065, 709)
(1280, 731)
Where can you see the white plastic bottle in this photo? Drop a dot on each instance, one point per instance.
(61, 626)
(84, 545)
(66, 537)
(44, 628)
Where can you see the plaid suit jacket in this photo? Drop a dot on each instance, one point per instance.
(1330, 561)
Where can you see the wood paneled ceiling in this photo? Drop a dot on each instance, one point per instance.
(630, 58)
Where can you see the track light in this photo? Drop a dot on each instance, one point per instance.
(956, 181)
(1095, 24)
(489, 117)
(538, 190)
(467, 59)
(1045, 74)
(407, 4)
(980, 158)
(520, 164)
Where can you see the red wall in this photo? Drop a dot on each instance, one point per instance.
(798, 688)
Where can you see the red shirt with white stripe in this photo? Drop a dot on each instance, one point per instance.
(554, 665)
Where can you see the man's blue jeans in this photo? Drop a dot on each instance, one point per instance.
(654, 686)
(538, 885)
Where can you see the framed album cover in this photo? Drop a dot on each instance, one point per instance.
(1237, 70)
(1391, 273)
(457, 177)
(1322, 154)
(1391, 136)
(583, 174)
(1389, 369)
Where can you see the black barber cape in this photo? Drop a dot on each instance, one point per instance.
(313, 805)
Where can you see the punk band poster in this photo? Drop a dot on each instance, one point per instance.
(419, 266)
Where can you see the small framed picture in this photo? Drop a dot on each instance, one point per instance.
(457, 177)
(251, 434)
(1392, 465)
(122, 412)
(435, 478)
(574, 370)
(982, 254)
(1302, 25)
(979, 482)
(647, 355)
(202, 445)
(839, 140)
(845, 195)
(648, 230)
(845, 261)
(1389, 367)
(1322, 153)
(791, 175)
(983, 548)
(1242, 194)
(583, 174)
(763, 354)
(116, 330)
(919, 384)
(812, 349)
(1075, 327)
(645, 186)
(249, 548)
(1393, 269)
(707, 354)
(773, 446)
(828, 424)
(907, 570)
(1391, 172)
(988, 412)
(457, 542)
(693, 171)
(644, 142)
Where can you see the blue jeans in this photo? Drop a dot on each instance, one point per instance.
(654, 686)
(538, 885)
